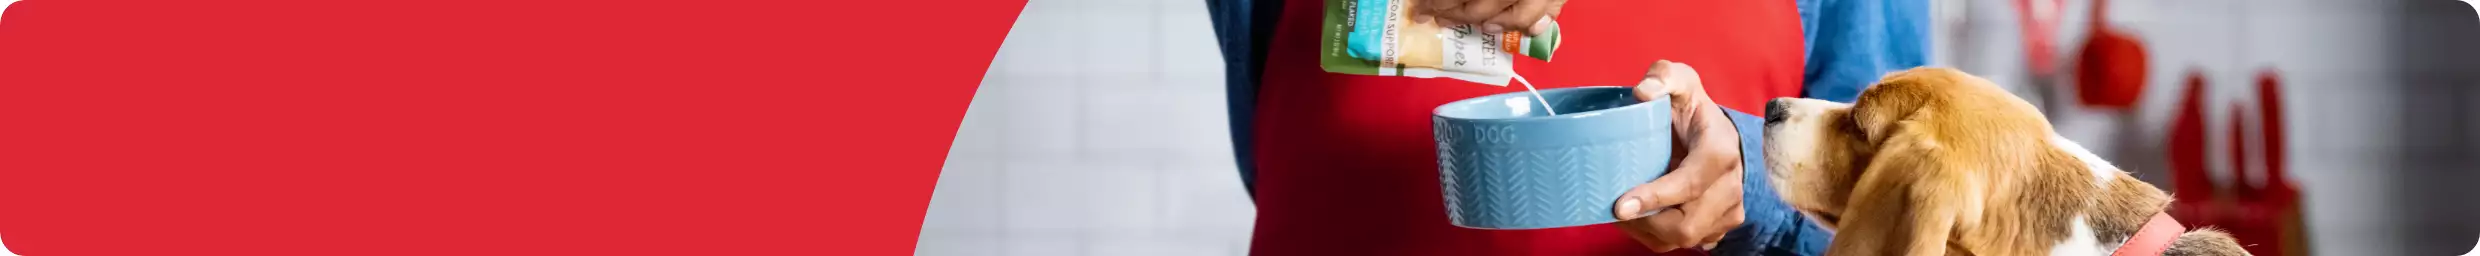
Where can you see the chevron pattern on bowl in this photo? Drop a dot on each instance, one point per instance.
(1503, 166)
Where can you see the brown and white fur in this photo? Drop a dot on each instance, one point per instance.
(1933, 161)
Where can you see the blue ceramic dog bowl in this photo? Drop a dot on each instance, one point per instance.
(1505, 164)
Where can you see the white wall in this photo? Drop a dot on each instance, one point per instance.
(1099, 130)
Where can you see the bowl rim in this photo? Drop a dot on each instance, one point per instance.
(1440, 111)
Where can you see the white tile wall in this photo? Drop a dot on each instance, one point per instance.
(1099, 130)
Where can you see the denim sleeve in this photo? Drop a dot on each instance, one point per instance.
(1242, 29)
(1772, 227)
(1853, 42)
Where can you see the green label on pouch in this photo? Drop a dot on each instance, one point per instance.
(1336, 36)
(1373, 37)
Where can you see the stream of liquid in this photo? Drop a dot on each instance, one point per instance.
(1545, 102)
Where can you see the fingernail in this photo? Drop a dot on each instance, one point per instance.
(1649, 89)
(1628, 208)
(1493, 28)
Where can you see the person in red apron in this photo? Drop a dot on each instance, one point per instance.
(1344, 164)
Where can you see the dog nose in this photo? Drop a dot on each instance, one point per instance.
(1774, 111)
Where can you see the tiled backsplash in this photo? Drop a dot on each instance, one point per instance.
(1099, 130)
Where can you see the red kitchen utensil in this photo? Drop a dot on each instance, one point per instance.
(2265, 215)
(2191, 181)
(2277, 195)
(2040, 28)
(2110, 73)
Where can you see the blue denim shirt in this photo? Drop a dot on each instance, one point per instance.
(1850, 44)
(1242, 28)
(1853, 42)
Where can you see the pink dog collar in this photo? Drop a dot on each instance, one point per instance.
(2154, 238)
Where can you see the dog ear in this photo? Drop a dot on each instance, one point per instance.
(1902, 204)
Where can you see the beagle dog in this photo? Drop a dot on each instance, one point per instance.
(1933, 161)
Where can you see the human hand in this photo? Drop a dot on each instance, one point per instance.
(1704, 181)
(1493, 16)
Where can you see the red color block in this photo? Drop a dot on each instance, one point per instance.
(521, 127)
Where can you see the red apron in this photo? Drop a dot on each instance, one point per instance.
(1346, 165)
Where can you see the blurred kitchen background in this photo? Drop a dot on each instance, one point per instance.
(1099, 128)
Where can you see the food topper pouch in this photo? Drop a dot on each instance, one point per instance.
(1377, 37)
